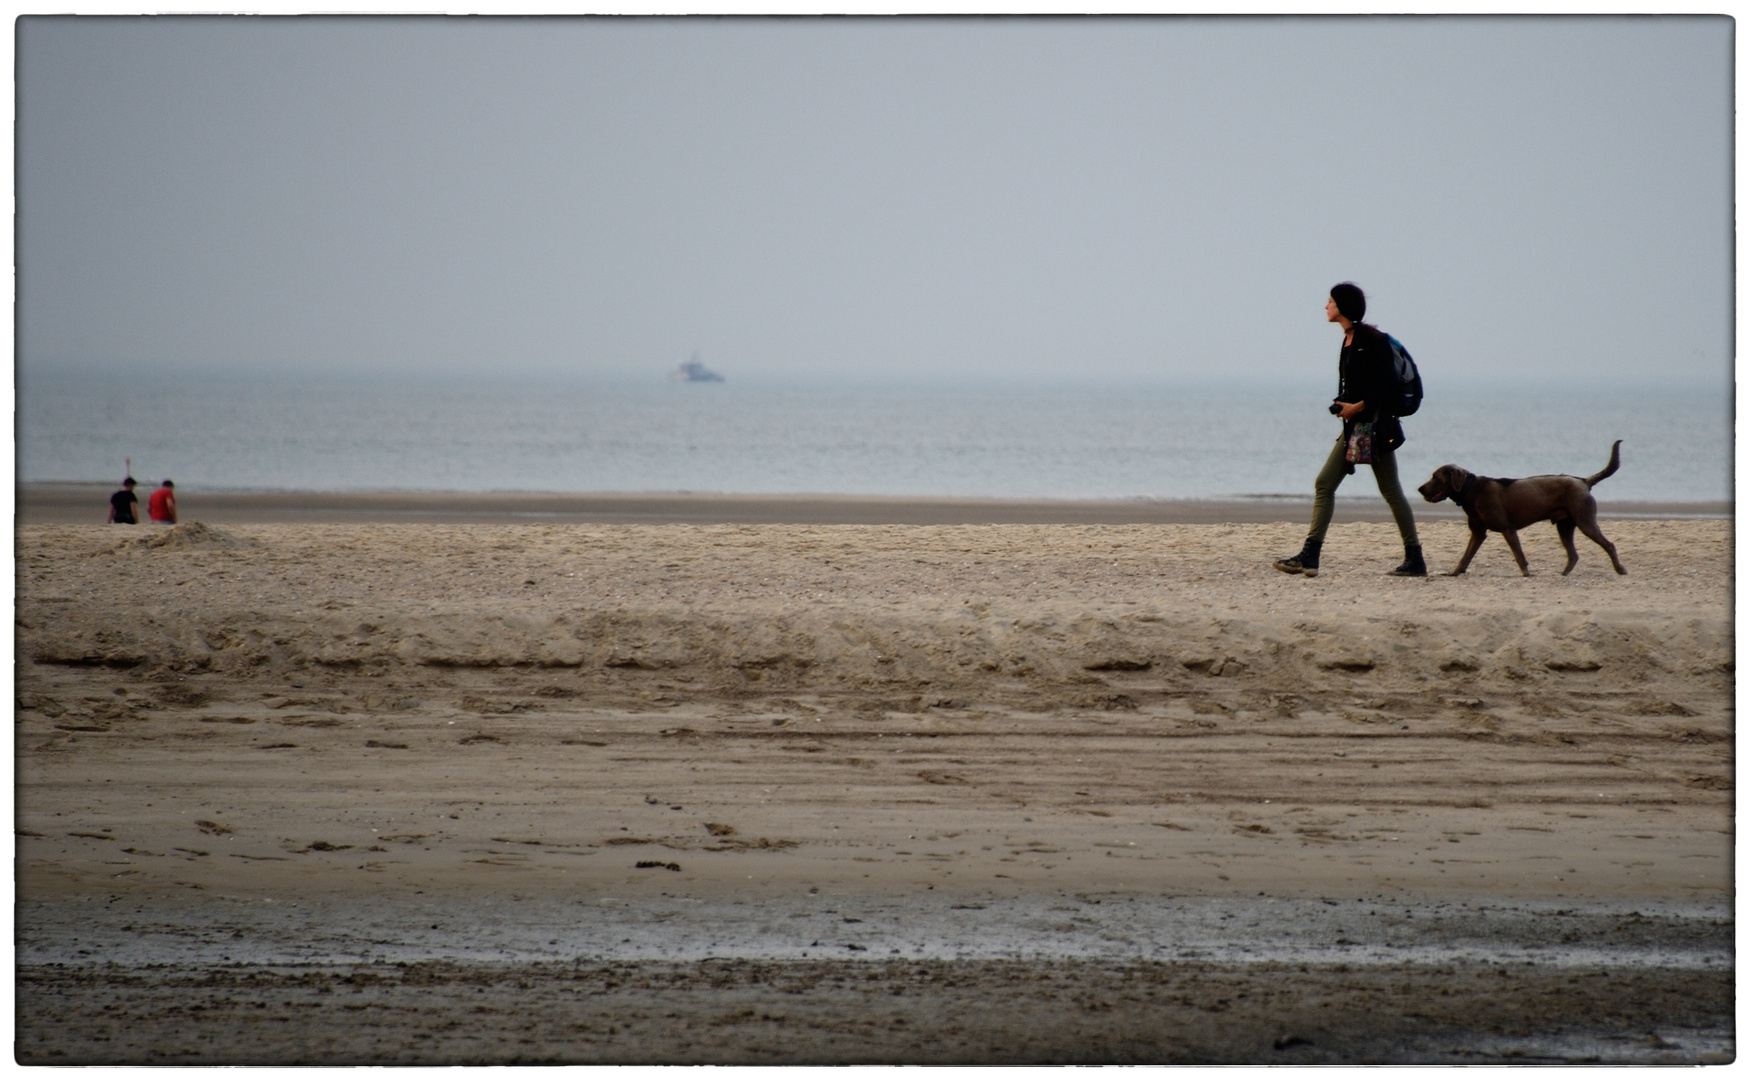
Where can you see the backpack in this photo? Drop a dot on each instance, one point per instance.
(1408, 396)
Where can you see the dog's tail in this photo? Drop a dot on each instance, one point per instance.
(1615, 460)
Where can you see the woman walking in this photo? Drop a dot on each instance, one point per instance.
(1370, 434)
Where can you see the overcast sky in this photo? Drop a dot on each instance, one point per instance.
(1520, 198)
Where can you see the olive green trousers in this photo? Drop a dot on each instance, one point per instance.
(1385, 472)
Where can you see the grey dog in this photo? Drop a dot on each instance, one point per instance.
(1507, 506)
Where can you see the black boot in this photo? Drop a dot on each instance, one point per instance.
(1413, 564)
(1305, 563)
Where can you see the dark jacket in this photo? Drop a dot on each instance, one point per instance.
(1364, 373)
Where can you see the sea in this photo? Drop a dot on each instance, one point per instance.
(1001, 438)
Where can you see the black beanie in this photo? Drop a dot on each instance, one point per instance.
(1351, 301)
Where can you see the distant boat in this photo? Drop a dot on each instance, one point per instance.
(693, 371)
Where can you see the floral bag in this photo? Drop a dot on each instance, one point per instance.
(1360, 450)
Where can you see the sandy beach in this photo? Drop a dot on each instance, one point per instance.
(410, 791)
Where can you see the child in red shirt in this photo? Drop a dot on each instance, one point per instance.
(162, 504)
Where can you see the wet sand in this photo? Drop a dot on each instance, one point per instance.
(74, 504)
(967, 773)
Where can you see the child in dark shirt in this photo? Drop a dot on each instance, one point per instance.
(122, 503)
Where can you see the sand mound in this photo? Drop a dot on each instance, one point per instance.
(191, 534)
